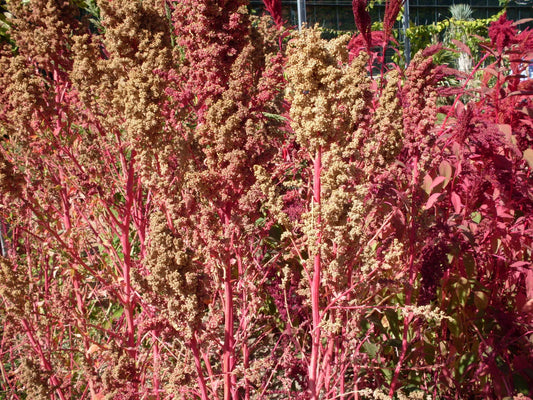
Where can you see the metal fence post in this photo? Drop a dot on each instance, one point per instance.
(301, 13)
(407, 43)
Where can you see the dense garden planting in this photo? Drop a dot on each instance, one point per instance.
(197, 203)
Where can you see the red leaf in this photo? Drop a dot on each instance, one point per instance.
(274, 8)
(456, 202)
(501, 212)
(432, 199)
(363, 21)
(520, 265)
(461, 46)
(492, 71)
(445, 169)
(529, 284)
(436, 182)
(427, 184)
(505, 129)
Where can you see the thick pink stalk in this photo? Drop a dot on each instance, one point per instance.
(244, 324)
(228, 334)
(229, 339)
(128, 168)
(198, 364)
(315, 283)
(409, 291)
(75, 277)
(325, 378)
(44, 361)
(157, 365)
(210, 375)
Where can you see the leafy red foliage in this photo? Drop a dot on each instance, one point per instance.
(274, 8)
(363, 21)
(502, 33)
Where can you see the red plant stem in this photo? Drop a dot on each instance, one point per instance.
(5, 382)
(325, 378)
(129, 306)
(339, 360)
(140, 220)
(67, 221)
(497, 90)
(409, 291)
(32, 206)
(244, 323)
(37, 346)
(228, 333)
(81, 309)
(157, 358)
(315, 284)
(228, 348)
(44, 361)
(9, 386)
(384, 46)
(197, 361)
(210, 374)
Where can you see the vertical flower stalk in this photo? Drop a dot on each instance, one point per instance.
(392, 9)
(363, 21)
(197, 361)
(274, 8)
(129, 304)
(328, 96)
(228, 363)
(315, 285)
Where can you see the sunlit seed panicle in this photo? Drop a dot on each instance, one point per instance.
(331, 103)
(14, 287)
(327, 95)
(387, 125)
(419, 95)
(11, 182)
(428, 313)
(174, 276)
(34, 379)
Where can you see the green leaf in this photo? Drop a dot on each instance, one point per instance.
(394, 322)
(469, 264)
(462, 290)
(276, 117)
(464, 362)
(371, 349)
(481, 300)
(394, 343)
(476, 217)
(113, 317)
(455, 328)
(521, 384)
(387, 372)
